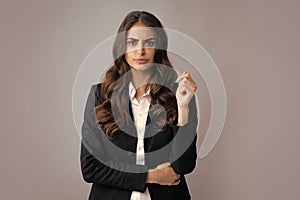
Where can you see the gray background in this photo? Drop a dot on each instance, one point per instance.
(255, 44)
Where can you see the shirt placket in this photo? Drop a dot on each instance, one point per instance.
(140, 112)
(140, 125)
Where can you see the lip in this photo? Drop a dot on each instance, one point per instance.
(141, 61)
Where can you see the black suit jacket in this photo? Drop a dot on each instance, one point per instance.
(110, 165)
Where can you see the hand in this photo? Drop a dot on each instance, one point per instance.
(184, 93)
(186, 89)
(163, 175)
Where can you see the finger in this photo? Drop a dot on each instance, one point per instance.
(191, 80)
(163, 165)
(187, 80)
(175, 176)
(183, 81)
(187, 83)
(183, 75)
(188, 76)
(179, 78)
(176, 182)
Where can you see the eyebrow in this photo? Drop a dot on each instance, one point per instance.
(138, 39)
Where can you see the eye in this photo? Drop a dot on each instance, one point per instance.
(150, 43)
(131, 43)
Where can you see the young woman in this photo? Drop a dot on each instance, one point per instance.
(140, 122)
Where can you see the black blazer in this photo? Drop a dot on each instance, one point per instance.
(110, 164)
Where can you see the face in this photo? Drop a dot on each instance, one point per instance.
(140, 47)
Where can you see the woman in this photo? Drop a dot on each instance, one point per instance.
(139, 130)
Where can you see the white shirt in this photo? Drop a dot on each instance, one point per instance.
(140, 113)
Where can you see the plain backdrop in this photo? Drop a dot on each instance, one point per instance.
(255, 44)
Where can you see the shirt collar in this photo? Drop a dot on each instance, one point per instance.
(132, 92)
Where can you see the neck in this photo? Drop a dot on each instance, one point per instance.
(140, 80)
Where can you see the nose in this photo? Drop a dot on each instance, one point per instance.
(140, 49)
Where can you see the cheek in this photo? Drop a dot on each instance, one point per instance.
(151, 53)
(128, 56)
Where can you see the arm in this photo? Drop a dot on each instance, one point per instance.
(184, 151)
(163, 175)
(95, 168)
(184, 144)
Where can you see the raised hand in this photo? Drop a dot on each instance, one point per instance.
(186, 89)
(184, 93)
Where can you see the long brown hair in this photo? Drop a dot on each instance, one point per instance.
(160, 87)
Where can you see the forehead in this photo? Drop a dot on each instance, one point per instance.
(140, 31)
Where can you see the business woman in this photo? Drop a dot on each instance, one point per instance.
(139, 130)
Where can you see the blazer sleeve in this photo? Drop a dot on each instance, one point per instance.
(95, 167)
(184, 152)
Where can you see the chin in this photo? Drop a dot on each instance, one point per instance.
(143, 67)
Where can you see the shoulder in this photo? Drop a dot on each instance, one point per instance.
(96, 92)
(96, 86)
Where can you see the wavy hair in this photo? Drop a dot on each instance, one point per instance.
(163, 111)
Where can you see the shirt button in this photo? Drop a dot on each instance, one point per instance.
(140, 114)
(129, 153)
